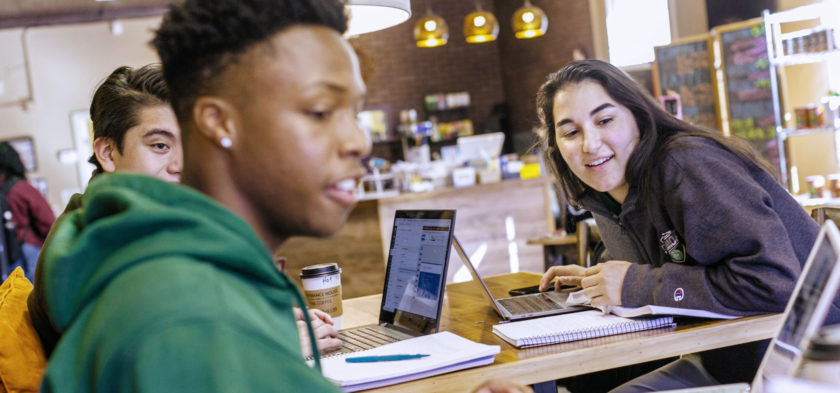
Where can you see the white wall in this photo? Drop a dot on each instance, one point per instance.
(66, 64)
(688, 18)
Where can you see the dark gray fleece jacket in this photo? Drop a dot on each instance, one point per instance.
(726, 237)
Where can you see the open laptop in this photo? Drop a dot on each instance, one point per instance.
(523, 306)
(415, 279)
(806, 310)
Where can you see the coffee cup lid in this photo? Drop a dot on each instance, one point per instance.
(319, 270)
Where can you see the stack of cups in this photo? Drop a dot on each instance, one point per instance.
(322, 288)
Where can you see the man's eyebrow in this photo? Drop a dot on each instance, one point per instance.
(594, 111)
(327, 85)
(159, 131)
(333, 87)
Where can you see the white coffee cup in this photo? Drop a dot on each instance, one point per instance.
(322, 288)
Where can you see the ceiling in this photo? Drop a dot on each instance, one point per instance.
(21, 13)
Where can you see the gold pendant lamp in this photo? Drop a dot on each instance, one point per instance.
(480, 26)
(529, 21)
(431, 30)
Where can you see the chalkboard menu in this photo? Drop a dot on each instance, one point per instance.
(746, 70)
(685, 68)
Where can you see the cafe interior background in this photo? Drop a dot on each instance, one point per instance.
(421, 100)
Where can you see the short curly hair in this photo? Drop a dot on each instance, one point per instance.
(199, 39)
(118, 100)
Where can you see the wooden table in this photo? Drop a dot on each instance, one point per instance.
(468, 314)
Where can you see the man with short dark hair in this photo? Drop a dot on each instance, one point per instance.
(156, 287)
(159, 288)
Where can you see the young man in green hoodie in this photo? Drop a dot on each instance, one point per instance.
(157, 287)
(135, 130)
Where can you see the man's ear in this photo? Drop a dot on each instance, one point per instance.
(105, 151)
(214, 118)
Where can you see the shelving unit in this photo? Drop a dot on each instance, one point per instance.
(825, 12)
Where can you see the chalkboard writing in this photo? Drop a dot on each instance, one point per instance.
(643, 77)
(685, 68)
(749, 97)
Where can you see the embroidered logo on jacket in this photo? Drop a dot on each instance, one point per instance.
(678, 294)
(672, 246)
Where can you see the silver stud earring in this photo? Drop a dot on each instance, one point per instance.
(226, 142)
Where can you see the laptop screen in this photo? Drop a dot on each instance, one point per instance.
(416, 274)
(808, 306)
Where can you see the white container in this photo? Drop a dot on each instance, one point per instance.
(322, 288)
(463, 177)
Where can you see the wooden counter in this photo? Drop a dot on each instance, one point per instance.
(497, 217)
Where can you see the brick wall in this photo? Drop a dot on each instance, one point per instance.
(525, 63)
(507, 70)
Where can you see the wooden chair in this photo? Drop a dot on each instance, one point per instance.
(587, 236)
(572, 248)
(821, 214)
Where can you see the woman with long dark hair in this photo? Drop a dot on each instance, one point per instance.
(689, 217)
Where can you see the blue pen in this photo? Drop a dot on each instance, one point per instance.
(383, 358)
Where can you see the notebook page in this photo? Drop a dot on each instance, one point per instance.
(444, 348)
(663, 310)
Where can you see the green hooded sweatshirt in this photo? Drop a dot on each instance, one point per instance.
(154, 287)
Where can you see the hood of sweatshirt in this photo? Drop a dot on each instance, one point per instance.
(127, 220)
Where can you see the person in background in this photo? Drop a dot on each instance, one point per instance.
(31, 213)
(689, 218)
(135, 130)
(134, 127)
(158, 287)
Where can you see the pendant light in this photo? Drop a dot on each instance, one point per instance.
(480, 26)
(431, 30)
(366, 16)
(529, 21)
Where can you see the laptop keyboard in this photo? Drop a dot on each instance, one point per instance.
(365, 338)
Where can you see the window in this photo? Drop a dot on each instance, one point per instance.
(634, 27)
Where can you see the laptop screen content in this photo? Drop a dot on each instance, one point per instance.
(417, 265)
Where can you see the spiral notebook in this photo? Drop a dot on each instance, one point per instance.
(572, 327)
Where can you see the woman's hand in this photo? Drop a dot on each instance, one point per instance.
(326, 336)
(603, 283)
(566, 275)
